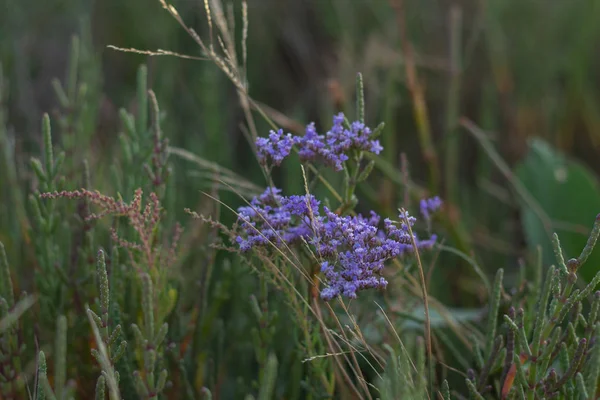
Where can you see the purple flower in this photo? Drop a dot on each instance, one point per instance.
(332, 148)
(352, 244)
(274, 148)
(429, 206)
(353, 249)
(360, 250)
(300, 205)
(273, 219)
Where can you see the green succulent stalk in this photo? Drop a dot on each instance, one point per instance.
(148, 341)
(108, 335)
(553, 358)
(354, 171)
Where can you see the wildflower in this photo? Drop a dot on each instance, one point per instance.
(311, 144)
(353, 246)
(272, 218)
(352, 249)
(429, 206)
(276, 147)
(360, 251)
(332, 148)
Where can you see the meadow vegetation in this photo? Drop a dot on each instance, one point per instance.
(274, 214)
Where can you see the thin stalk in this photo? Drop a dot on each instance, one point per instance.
(419, 104)
(425, 300)
(330, 343)
(559, 307)
(453, 105)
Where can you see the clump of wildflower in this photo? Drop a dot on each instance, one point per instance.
(332, 148)
(360, 250)
(273, 219)
(429, 206)
(353, 249)
(275, 148)
(352, 244)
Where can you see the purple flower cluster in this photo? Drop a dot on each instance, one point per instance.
(429, 206)
(331, 148)
(276, 147)
(272, 218)
(353, 250)
(360, 250)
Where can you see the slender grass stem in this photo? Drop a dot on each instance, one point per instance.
(425, 301)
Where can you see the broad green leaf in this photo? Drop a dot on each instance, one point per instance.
(569, 194)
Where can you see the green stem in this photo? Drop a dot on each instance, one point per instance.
(453, 106)
(352, 172)
(546, 333)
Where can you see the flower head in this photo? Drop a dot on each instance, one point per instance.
(274, 148)
(332, 148)
(273, 219)
(429, 206)
(353, 249)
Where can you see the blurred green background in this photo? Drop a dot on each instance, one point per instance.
(493, 75)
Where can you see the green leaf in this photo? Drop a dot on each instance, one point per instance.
(566, 191)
